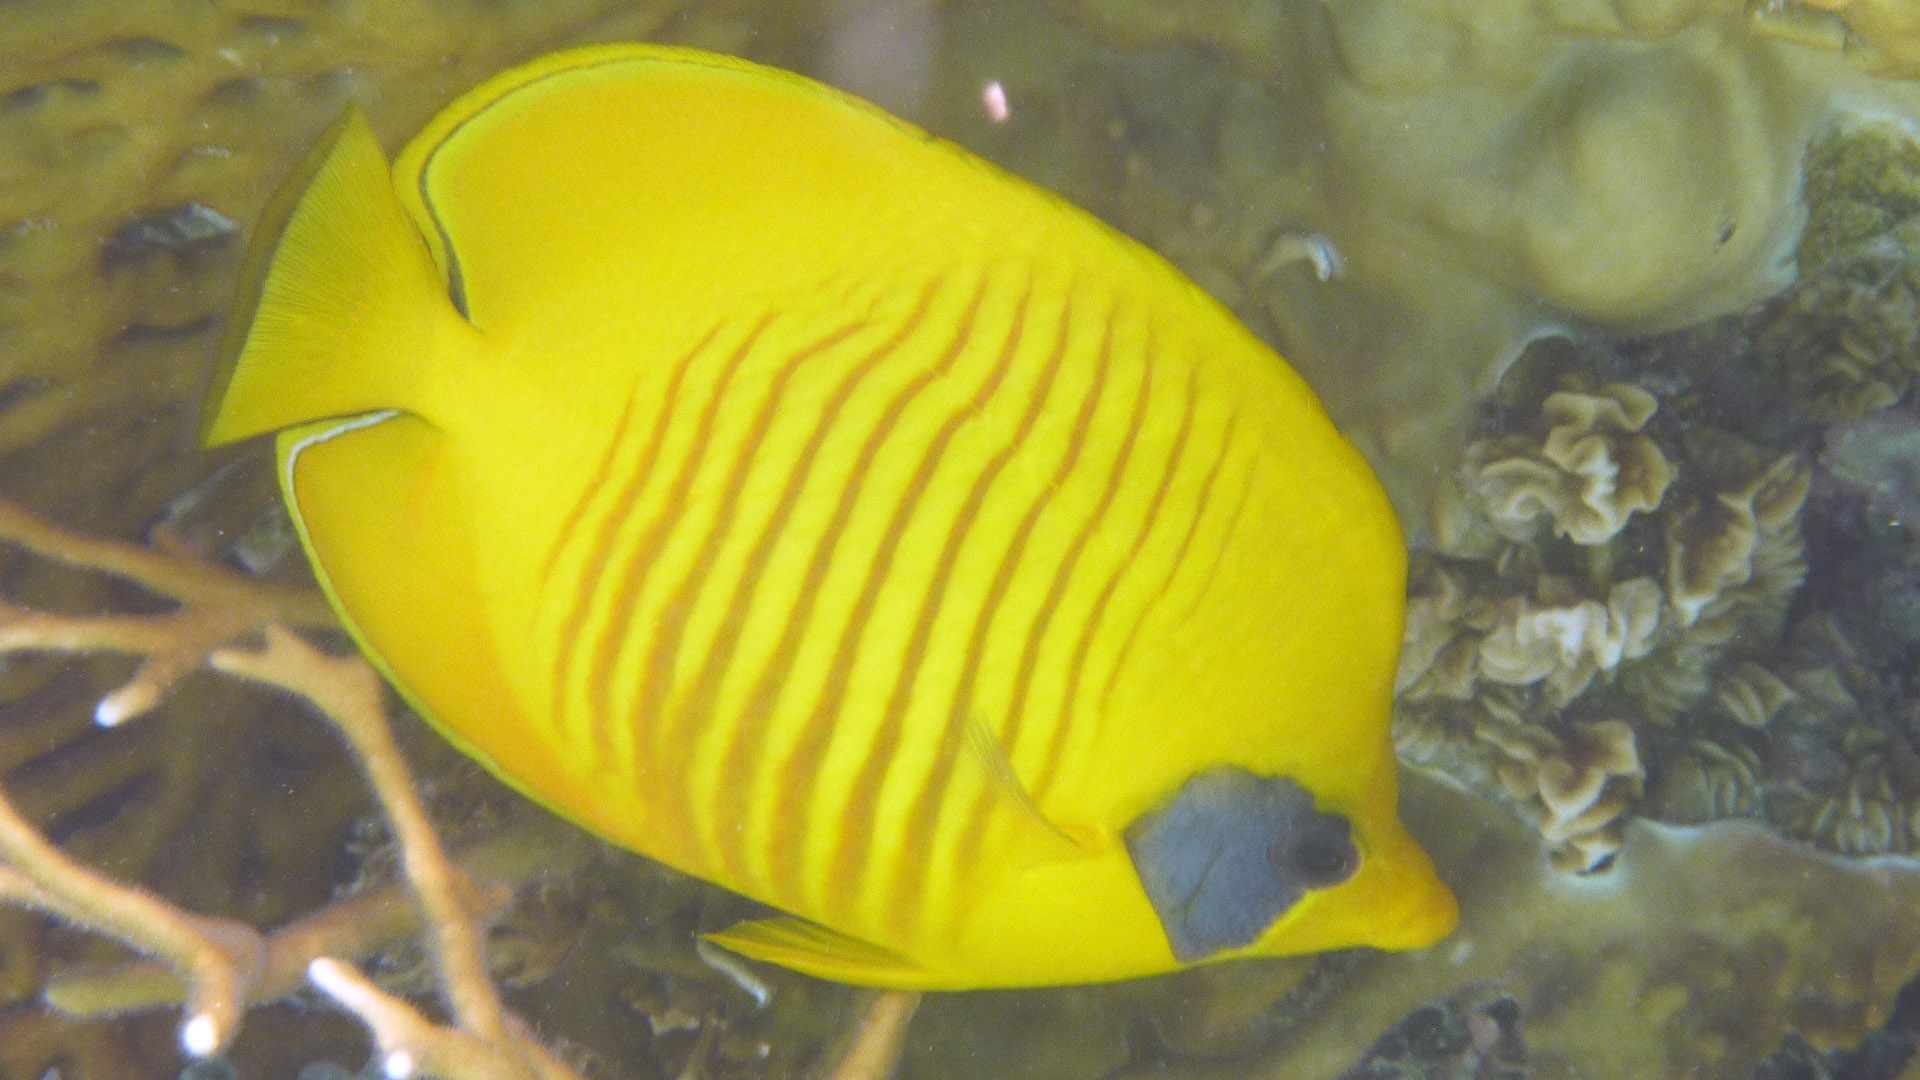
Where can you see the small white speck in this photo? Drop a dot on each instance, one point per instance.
(1314, 250)
(398, 1066)
(1325, 260)
(993, 98)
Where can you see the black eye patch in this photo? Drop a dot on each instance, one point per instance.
(1230, 853)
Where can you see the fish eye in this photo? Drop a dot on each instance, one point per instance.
(1317, 854)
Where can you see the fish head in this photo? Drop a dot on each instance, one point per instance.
(1242, 864)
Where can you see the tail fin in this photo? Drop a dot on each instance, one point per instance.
(340, 308)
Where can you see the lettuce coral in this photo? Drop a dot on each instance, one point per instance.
(1585, 472)
(1582, 603)
(1781, 560)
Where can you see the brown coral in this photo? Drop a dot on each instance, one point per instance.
(1834, 762)
(1751, 694)
(1583, 471)
(1738, 545)
(1844, 340)
(1565, 644)
(1708, 780)
(1587, 599)
(1554, 637)
(1577, 786)
(1483, 686)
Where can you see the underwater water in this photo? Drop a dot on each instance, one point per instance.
(1622, 301)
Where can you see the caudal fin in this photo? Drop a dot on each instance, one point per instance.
(340, 309)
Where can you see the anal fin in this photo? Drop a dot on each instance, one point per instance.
(815, 950)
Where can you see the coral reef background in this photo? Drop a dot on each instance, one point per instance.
(1622, 298)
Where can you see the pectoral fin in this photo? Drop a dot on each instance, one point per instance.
(991, 756)
(812, 949)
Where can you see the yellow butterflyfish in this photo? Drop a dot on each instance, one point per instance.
(790, 496)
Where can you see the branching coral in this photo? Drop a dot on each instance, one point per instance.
(485, 1042)
(222, 961)
(221, 966)
(1314, 164)
(215, 606)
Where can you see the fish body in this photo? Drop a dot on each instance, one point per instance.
(794, 498)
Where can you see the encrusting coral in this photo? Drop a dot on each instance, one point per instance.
(222, 962)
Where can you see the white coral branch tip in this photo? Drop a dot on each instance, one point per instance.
(200, 1035)
(124, 704)
(331, 977)
(357, 995)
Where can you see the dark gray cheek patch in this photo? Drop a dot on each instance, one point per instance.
(1230, 853)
